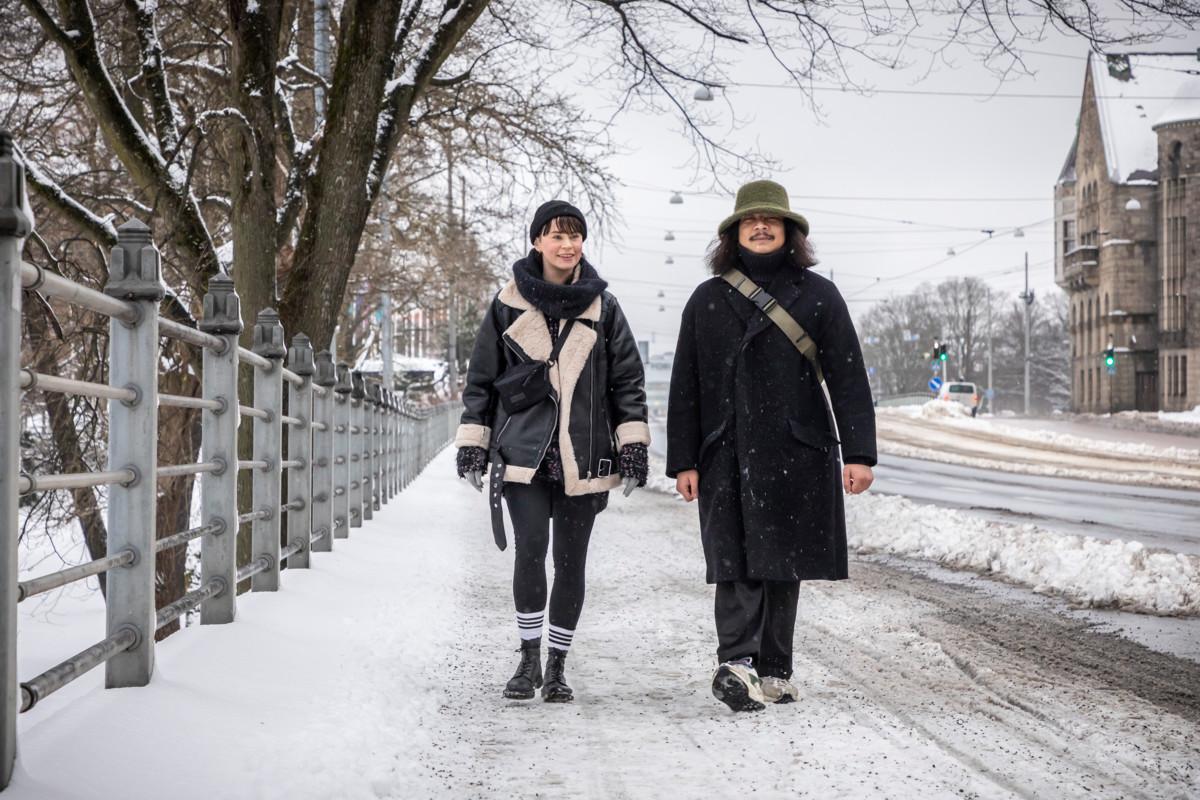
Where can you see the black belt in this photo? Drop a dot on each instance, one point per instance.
(496, 501)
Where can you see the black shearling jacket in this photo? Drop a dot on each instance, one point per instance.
(598, 378)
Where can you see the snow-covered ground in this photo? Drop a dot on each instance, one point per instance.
(945, 432)
(377, 674)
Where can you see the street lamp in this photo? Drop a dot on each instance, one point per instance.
(670, 260)
(670, 237)
(676, 198)
(703, 94)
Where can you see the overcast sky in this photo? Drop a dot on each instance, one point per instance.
(889, 182)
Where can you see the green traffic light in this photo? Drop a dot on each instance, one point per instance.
(1109, 360)
(942, 357)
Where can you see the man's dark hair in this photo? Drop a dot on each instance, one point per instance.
(723, 254)
(565, 224)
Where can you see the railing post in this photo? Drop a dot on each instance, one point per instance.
(322, 455)
(374, 447)
(300, 405)
(360, 465)
(385, 447)
(392, 419)
(268, 447)
(133, 356)
(343, 445)
(218, 490)
(15, 224)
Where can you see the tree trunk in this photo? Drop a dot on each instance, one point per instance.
(253, 180)
(48, 359)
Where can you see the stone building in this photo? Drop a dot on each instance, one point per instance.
(1127, 226)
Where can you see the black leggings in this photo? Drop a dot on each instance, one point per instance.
(531, 508)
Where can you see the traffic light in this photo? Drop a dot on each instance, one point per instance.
(1110, 358)
(940, 352)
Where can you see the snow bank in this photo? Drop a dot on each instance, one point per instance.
(1186, 417)
(958, 417)
(1087, 571)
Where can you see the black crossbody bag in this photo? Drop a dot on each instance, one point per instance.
(526, 384)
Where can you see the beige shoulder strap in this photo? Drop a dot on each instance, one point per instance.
(778, 314)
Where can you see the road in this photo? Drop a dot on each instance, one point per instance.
(1157, 517)
(395, 649)
(1166, 518)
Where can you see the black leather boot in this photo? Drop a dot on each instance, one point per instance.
(556, 689)
(528, 676)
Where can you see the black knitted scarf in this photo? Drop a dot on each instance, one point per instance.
(762, 268)
(557, 301)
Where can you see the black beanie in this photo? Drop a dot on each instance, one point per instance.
(551, 210)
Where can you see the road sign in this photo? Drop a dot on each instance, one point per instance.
(935, 383)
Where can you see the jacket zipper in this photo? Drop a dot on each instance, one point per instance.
(592, 413)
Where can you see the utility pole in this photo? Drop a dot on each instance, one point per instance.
(990, 393)
(388, 337)
(1027, 297)
(321, 52)
(452, 349)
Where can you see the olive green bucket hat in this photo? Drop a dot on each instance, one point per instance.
(763, 197)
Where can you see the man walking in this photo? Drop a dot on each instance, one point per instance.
(768, 375)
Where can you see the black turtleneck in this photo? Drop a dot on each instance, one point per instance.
(762, 268)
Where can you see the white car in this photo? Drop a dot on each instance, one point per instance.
(961, 392)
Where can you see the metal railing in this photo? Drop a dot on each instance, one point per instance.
(351, 445)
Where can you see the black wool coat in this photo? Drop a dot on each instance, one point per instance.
(747, 411)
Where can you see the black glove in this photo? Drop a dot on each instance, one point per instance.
(472, 461)
(635, 466)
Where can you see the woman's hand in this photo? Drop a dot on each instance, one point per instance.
(635, 466)
(687, 483)
(471, 463)
(857, 478)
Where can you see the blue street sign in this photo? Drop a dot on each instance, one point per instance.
(935, 383)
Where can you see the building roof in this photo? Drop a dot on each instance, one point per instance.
(1157, 90)
(1186, 105)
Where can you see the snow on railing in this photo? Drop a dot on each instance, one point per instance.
(351, 445)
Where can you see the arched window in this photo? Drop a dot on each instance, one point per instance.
(1174, 159)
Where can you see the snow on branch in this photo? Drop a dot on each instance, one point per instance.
(400, 92)
(100, 228)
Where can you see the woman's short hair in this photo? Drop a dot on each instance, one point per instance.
(565, 224)
(723, 253)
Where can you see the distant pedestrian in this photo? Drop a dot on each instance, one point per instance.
(749, 433)
(555, 400)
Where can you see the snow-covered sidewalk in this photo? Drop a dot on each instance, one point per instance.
(377, 674)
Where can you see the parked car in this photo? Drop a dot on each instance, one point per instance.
(961, 392)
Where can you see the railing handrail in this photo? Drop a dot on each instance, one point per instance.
(342, 461)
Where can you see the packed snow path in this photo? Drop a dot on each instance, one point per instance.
(377, 674)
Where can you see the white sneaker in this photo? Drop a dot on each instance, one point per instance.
(737, 685)
(778, 690)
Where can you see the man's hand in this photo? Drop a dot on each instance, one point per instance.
(857, 478)
(687, 483)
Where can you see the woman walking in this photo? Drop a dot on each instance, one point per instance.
(749, 431)
(555, 400)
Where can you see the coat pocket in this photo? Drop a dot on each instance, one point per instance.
(817, 438)
(709, 441)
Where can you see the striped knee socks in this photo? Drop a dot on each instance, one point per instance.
(560, 638)
(530, 625)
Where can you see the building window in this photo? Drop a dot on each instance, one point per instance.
(1068, 232)
(1183, 376)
